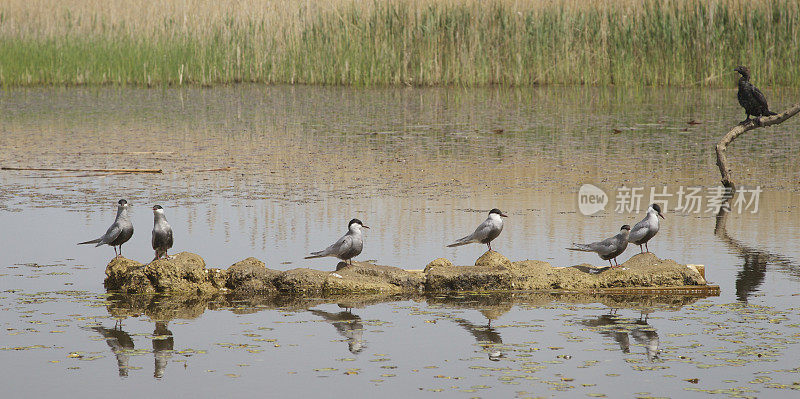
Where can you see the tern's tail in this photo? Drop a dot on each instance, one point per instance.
(318, 254)
(461, 241)
(580, 247)
(95, 241)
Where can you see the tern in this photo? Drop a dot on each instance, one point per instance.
(119, 233)
(646, 229)
(486, 232)
(609, 248)
(162, 233)
(347, 247)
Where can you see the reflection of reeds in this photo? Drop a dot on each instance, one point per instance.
(421, 42)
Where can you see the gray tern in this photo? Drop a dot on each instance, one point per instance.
(347, 247)
(162, 233)
(609, 248)
(119, 233)
(486, 232)
(646, 229)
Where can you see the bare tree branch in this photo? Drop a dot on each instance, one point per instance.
(722, 160)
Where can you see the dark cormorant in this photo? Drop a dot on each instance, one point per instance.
(750, 98)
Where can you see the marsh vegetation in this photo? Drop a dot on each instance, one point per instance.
(420, 42)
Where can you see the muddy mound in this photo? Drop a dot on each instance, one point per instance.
(186, 273)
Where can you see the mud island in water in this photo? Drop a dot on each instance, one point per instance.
(187, 273)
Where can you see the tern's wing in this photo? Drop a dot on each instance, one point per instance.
(341, 245)
(601, 247)
(606, 246)
(169, 236)
(639, 230)
(479, 234)
(484, 230)
(111, 234)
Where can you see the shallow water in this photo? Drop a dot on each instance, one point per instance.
(421, 167)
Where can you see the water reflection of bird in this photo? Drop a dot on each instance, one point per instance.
(162, 233)
(754, 269)
(620, 336)
(647, 336)
(120, 343)
(347, 247)
(750, 97)
(647, 228)
(347, 325)
(486, 231)
(609, 248)
(163, 344)
(620, 329)
(486, 336)
(119, 232)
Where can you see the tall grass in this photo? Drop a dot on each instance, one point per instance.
(395, 42)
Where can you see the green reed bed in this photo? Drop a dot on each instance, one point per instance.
(467, 42)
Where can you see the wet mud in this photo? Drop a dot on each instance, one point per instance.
(187, 273)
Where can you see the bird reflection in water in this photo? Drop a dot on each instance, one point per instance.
(347, 325)
(621, 329)
(121, 345)
(486, 336)
(755, 260)
(163, 344)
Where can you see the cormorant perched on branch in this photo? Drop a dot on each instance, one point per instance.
(750, 98)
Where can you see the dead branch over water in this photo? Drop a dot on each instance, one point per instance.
(738, 130)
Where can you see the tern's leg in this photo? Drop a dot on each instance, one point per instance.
(645, 247)
(615, 261)
(120, 249)
(641, 251)
(489, 244)
(610, 264)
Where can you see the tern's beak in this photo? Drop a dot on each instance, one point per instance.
(364, 226)
(503, 215)
(662, 216)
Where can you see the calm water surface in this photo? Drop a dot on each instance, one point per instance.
(421, 167)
